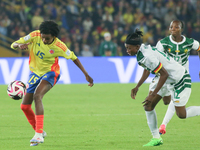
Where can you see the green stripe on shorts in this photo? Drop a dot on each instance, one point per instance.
(185, 82)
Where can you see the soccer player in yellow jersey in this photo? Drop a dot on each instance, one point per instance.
(45, 48)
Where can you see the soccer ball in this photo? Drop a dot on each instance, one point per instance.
(16, 90)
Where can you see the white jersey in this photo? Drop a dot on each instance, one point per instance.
(178, 50)
(152, 60)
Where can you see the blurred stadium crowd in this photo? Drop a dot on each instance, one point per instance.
(84, 22)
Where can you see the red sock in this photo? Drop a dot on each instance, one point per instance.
(30, 115)
(39, 123)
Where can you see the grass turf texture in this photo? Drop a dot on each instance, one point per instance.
(103, 117)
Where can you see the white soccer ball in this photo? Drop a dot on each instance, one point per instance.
(16, 90)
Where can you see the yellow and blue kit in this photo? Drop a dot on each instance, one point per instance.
(43, 58)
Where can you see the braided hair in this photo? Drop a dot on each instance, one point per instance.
(134, 38)
(49, 27)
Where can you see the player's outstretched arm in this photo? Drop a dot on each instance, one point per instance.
(141, 81)
(21, 46)
(163, 77)
(88, 78)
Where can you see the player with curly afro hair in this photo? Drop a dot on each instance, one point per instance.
(44, 51)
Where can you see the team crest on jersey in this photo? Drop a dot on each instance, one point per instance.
(186, 50)
(169, 50)
(51, 51)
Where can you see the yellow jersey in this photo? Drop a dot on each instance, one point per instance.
(44, 58)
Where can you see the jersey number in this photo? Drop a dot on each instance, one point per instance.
(176, 93)
(40, 54)
(33, 79)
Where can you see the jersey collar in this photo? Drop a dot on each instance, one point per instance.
(170, 37)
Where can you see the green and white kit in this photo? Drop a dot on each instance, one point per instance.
(179, 80)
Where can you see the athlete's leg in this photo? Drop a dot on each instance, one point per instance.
(168, 116)
(26, 108)
(167, 93)
(181, 112)
(180, 103)
(170, 110)
(167, 99)
(151, 115)
(43, 87)
(191, 111)
(152, 121)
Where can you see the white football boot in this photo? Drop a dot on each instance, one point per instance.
(38, 138)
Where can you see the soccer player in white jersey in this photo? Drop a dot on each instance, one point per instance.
(177, 46)
(172, 75)
(45, 49)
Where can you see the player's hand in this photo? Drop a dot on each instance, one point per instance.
(90, 80)
(134, 92)
(199, 74)
(148, 100)
(23, 46)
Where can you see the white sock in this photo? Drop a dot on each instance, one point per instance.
(152, 123)
(169, 114)
(192, 111)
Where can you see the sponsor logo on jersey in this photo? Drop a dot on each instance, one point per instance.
(51, 51)
(177, 51)
(177, 101)
(186, 50)
(68, 52)
(26, 38)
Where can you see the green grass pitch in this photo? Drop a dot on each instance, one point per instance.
(103, 117)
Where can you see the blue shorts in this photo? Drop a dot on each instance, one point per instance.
(34, 80)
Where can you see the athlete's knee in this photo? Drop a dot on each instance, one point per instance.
(166, 99)
(181, 112)
(181, 116)
(166, 102)
(148, 107)
(37, 96)
(25, 107)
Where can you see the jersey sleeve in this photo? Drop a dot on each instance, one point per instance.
(160, 47)
(196, 45)
(153, 64)
(70, 55)
(27, 39)
(64, 51)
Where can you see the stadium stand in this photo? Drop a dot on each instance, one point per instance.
(84, 22)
